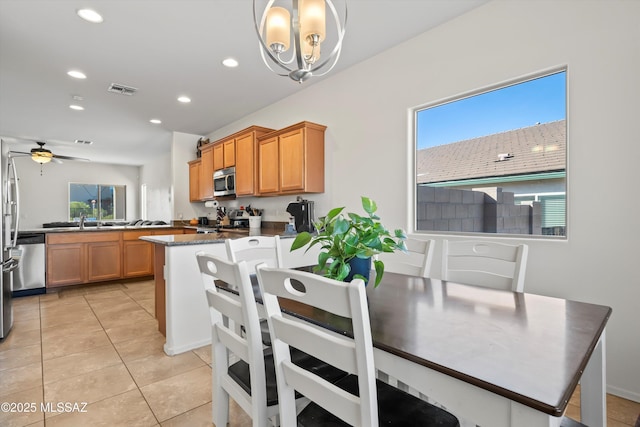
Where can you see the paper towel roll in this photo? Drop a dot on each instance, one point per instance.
(211, 204)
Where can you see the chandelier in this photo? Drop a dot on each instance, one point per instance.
(302, 27)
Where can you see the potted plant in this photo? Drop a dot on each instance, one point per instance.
(348, 243)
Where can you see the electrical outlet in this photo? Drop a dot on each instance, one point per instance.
(179, 215)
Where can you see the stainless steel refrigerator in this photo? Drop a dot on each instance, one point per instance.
(8, 235)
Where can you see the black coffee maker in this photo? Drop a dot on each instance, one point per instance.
(302, 212)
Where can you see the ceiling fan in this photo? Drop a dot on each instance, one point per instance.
(42, 155)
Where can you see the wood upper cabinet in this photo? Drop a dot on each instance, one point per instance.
(194, 180)
(224, 155)
(218, 156)
(291, 160)
(246, 160)
(206, 173)
(268, 169)
(229, 153)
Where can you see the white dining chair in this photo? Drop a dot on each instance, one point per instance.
(358, 399)
(242, 368)
(483, 263)
(415, 262)
(255, 250)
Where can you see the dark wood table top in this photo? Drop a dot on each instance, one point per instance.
(529, 348)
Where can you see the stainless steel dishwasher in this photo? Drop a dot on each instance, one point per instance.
(28, 278)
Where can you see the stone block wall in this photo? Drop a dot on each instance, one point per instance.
(488, 211)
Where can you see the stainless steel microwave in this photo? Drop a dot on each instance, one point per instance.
(224, 182)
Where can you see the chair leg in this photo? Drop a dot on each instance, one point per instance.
(219, 396)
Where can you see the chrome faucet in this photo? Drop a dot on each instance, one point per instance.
(82, 218)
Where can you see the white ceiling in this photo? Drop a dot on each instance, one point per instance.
(165, 49)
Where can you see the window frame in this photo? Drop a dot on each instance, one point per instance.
(412, 178)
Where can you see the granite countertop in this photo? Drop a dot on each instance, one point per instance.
(95, 228)
(208, 238)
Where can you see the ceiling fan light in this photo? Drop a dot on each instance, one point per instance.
(41, 157)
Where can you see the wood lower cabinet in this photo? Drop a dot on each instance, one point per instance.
(103, 261)
(137, 255)
(65, 264)
(86, 257)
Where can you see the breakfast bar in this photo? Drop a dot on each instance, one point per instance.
(180, 305)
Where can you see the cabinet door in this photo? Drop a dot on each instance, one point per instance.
(245, 165)
(137, 258)
(292, 161)
(65, 264)
(206, 174)
(103, 261)
(218, 156)
(194, 181)
(268, 166)
(229, 153)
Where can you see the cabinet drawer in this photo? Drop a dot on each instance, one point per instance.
(135, 235)
(82, 237)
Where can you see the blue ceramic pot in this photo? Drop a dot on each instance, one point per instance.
(361, 266)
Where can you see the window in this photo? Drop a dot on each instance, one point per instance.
(97, 202)
(494, 161)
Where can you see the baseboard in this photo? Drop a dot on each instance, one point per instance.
(626, 394)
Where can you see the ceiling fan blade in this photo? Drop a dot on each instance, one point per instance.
(56, 160)
(56, 156)
(21, 153)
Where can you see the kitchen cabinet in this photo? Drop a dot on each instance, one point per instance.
(205, 188)
(246, 160)
(95, 256)
(65, 264)
(224, 153)
(291, 160)
(104, 260)
(194, 180)
(137, 255)
(82, 257)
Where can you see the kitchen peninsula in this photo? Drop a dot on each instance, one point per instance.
(181, 307)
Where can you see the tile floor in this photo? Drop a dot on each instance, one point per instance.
(99, 345)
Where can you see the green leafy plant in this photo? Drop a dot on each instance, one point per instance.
(343, 238)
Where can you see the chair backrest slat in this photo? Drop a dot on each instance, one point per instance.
(255, 250)
(488, 264)
(416, 261)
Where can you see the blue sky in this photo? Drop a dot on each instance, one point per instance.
(540, 100)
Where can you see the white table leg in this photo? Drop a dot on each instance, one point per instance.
(593, 396)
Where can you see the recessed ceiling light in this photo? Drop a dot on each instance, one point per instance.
(230, 62)
(90, 15)
(76, 107)
(156, 121)
(76, 74)
(184, 99)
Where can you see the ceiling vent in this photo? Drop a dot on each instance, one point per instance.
(122, 89)
(83, 142)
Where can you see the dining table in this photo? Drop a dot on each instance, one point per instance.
(492, 357)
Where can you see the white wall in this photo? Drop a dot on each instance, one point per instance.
(368, 141)
(156, 176)
(183, 150)
(45, 198)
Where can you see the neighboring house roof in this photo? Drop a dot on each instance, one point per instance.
(534, 149)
